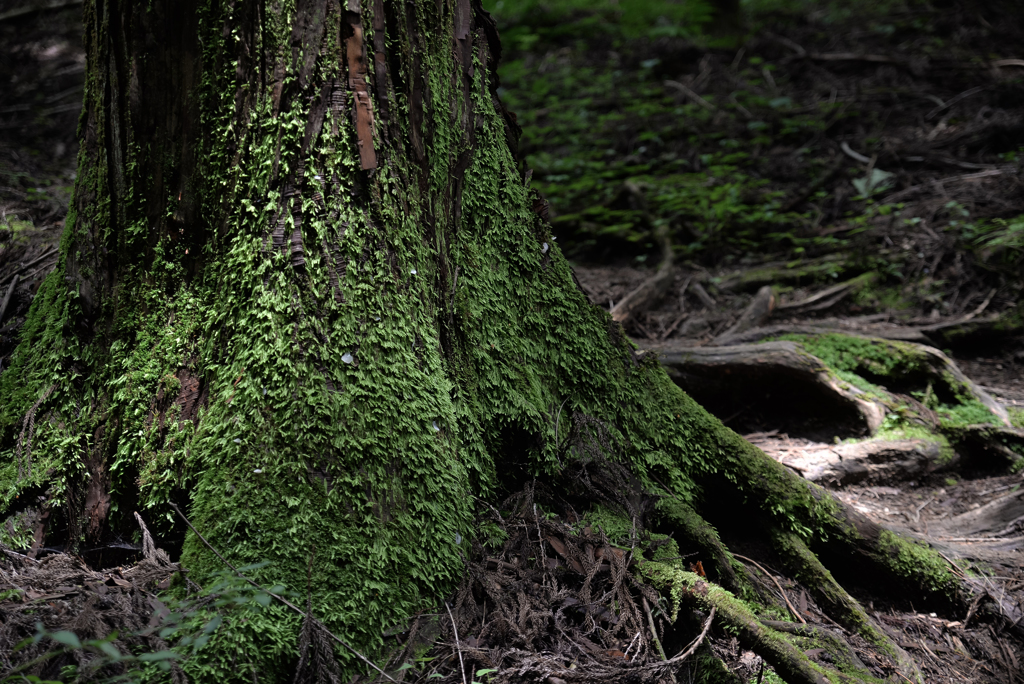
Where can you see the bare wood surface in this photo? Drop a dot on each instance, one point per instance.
(706, 299)
(692, 96)
(655, 287)
(869, 462)
(994, 519)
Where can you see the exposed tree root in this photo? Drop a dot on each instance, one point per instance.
(868, 462)
(756, 313)
(693, 528)
(652, 289)
(740, 373)
(841, 645)
(836, 601)
(789, 662)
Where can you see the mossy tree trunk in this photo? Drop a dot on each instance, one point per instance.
(303, 293)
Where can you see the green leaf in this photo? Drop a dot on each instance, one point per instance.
(481, 673)
(110, 651)
(67, 638)
(159, 655)
(404, 667)
(213, 624)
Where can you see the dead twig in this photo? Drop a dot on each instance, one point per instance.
(756, 313)
(653, 288)
(455, 631)
(7, 297)
(914, 189)
(654, 636)
(707, 300)
(782, 591)
(845, 147)
(828, 296)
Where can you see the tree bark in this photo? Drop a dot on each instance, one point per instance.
(302, 293)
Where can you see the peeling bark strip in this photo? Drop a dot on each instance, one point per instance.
(363, 107)
(462, 19)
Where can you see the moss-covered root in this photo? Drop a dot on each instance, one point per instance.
(708, 668)
(834, 527)
(838, 647)
(835, 600)
(716, 559)
(789, 662)
(914, 565)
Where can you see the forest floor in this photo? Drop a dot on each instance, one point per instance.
(866, 169)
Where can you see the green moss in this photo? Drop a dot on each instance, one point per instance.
(1016, 416)
(968, 412)
(883, 358)
(896, 426)
(618, 528)
(829, 594)
(918, 562)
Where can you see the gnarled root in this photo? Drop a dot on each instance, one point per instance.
(836, 601)
(788, 661)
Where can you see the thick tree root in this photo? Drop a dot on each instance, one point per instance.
(789, 662)
(840, 646)
(720, 565)
(778, 365)
(867, 462)
(838, 530)
(836, 601)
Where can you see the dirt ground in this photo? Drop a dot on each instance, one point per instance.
(943, 156)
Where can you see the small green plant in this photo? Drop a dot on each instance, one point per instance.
(104, 654)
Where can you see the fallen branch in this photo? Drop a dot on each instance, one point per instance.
(650, 290)
(707, 300)
(782, 272)
(45, 255)
(455, 631)
(853, 57)
(282, 599)
(914, 189)
(845, 147)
